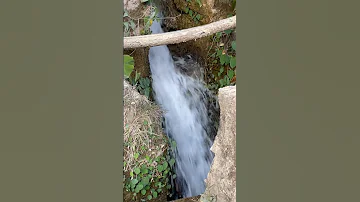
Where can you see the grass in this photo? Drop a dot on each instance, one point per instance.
(147, 165)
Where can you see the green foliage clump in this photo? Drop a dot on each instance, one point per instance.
(193, 14)
(223, 60)
(143, 85)
(151, 178)
(142, 25)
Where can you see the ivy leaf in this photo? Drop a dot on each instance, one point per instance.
(219, 53)
(143, 192)
(172, 162)
(165, 165)
(149, 197)
(155, 194)
(233, 62)
(228, 31)
(137, 170)
(233, 45)
(134, 181)
(147, 92)
(160, 168)
(132, 25)
(126, 24)
(145, 181)
(221, 70)
(128, 65)
(230, 74)
(198, 16)
(191, 13)
(138, 188)
(223, 59)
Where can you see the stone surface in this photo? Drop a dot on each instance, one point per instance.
(221, 181)
(131, 5)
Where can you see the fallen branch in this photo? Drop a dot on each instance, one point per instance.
(179, 36)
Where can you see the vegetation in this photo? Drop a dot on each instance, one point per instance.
(223, 60)
(141, 25)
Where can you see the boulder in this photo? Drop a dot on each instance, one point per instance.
(221, 181)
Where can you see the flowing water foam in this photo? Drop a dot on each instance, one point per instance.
(186, 113)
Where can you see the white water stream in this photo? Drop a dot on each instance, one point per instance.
(183, 100)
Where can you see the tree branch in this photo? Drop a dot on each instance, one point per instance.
(179, 36)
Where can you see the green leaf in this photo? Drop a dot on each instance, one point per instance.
(143, 192)
(227, 80)
(147, 92)
(221, 69)
(145, 181)
(136, 155)
(233, 45)
(165, 165)
(138, 188)
(233, 62)
(145, 171)
(228, 31)
(230, 74)
(128, 65)
(198, 16)
(149, 197)
(218, 52)
(172, 162)
(191, 13)
(134, 181)
(137, 170)
(186, 10)
(221, 81)
(155, 194)
(174, 176)
(224, 59)
(132, 25)
(126, 24)
(131, 174)
(160, 168)
(199, 2)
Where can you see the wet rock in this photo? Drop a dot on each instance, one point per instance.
(221, 181)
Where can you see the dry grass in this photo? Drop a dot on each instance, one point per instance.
(143, 135)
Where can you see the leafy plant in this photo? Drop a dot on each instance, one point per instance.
(151, 178)
(128, 65)
(142, 25)
(144, 86)
(224, 58)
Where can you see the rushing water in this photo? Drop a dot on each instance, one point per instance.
(185, 102)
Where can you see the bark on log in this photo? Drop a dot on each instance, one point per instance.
(179, 36)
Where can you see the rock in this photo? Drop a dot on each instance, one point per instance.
(131, 5)
(221, 181)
